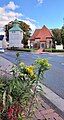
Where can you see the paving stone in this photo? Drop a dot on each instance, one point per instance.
(46, 106)
(34, 118)
(49, 111)
(52, 116)
(38, 115)
(43, 104)
(40, 109)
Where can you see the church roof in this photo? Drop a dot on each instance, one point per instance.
(15, 26)
(41, 34)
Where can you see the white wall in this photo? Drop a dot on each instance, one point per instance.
(59, 47)
(29, 43)
(15, 38)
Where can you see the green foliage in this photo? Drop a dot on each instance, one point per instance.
(24, 86)
(20, 49)
(62, 35)
(53, 50)
(26, 32)
(57, 36)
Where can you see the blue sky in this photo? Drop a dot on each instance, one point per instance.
(36, 13)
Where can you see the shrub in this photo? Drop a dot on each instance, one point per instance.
(19, 93)
(19, 49)
(53, 50)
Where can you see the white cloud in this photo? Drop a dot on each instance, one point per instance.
(12, 14)
(32, 25)
(2, 10)
(31, 20)
(40, 1)
(7, 15)
(12, 5)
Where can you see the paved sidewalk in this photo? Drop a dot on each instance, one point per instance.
(43, 111)
(5, 66)
(53, 97)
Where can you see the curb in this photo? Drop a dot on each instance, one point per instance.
(53, 97)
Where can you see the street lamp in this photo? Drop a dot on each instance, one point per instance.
(55, 43)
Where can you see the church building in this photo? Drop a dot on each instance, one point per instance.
(41, 38)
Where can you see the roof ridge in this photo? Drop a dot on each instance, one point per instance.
(41, 33)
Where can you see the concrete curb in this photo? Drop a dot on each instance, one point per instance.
(53, 97)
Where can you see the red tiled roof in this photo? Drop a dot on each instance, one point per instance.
(42, 34)
(35, 34)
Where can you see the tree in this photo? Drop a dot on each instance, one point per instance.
(26, 31)
(57, 36)
(6, 28)
(62, 35)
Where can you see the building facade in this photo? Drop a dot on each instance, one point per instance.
(15, 35)
(41, 38)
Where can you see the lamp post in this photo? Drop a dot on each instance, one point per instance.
(55, 43)
(29, 43)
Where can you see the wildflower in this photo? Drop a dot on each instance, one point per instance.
(21, 74)
(30, 70)
(21, 64)
(13, 111)
(10, 112)
(33, 76)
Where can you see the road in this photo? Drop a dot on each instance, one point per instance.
(53, 78)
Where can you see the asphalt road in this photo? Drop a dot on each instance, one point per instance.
(54, 78)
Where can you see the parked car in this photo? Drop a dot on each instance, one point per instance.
(1, 50)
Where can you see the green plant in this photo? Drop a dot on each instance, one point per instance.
(23, 88)
(53, 50)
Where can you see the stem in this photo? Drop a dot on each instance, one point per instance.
(4, 99)
(35, 90)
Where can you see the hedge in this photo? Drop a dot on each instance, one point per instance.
(19, 49)
(53, 50)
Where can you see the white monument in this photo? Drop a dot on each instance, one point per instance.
(15, 35)
(29, 43)
(59, 47)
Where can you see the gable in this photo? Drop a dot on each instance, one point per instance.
(35, 34)
(42, 34)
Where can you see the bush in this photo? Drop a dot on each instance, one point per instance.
(53, 50)
(19, 93)
(19, 49)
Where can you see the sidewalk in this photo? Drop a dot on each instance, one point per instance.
(5, 66)
(44, 110)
